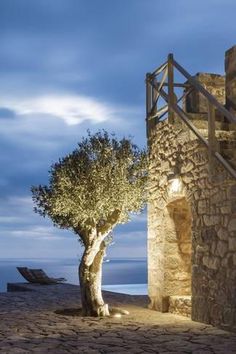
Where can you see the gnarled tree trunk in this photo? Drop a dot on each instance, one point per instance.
(90, 276)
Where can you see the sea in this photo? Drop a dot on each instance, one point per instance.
(128, 276)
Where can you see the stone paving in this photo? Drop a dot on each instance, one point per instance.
(29, 324)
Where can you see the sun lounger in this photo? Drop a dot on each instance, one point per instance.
(42, 277)
(38, 276)
(27, 274)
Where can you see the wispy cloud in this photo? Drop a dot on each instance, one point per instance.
(25, 234)
(10, 220)
(72, 109)
(39, 232)
(15, 206)
(22, 201)
(132, 235)
(129, 244)
(69, 66)
(6, 113)
(139, 218)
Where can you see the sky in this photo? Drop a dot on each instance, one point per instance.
(71, 65)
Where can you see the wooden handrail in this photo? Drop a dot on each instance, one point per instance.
(159, 88)
(186, 120)
(148, 95)
(155, 90)
(159, 69)
(171, 96)
(160, 112)
(205, 93)
(213, 144)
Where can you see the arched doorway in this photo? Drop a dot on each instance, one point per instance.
(178, 246)
(170, 256)
(177, 256)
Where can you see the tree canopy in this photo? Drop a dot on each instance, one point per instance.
(96, 186)
(90, 191)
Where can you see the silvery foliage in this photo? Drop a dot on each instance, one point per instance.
(95, 187)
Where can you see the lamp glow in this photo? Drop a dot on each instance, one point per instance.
(175, 185)
(117, 315)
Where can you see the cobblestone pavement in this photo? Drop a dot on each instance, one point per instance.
(29, 324)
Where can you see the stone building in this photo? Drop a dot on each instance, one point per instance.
(192, 210)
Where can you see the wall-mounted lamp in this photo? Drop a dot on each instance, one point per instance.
(175, 183)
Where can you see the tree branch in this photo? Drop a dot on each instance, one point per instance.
(110, 222)
(93, 248)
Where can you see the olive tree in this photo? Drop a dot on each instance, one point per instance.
(90, 191)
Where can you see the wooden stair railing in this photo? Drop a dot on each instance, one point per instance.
(155, 91)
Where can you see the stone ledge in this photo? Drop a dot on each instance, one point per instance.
(180, 305)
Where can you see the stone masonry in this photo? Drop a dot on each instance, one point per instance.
(192, 216)
(215, 84)
(230, 68)
(46, 319)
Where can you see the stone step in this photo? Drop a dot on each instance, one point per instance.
(180, 305)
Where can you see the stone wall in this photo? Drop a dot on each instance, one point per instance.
(214, 84)
(180, 305)
(230, 69)
(191, 225)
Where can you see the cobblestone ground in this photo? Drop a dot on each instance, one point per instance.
(29, 324)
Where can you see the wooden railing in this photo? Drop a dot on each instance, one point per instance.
(155, 91)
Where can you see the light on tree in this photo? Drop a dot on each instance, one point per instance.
(90, 191)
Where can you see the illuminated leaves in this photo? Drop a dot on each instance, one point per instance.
(96, 186)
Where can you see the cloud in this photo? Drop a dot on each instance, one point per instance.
(39, 232)
(4, 220)
(139, 218)
(135, 235)
(19, 222)
(16, 213)
(49, 125)
(26, 234)
(67, 66)
(6, 113)
(130, 244)
(72, 109)
(30, 143)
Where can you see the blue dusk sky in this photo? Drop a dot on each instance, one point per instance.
(71, 65)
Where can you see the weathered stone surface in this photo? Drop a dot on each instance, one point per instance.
(180, 305)
(232, 244)
(196, 225)
(29, 324)
(215, 84)
(230, 65)
(211, 220)
(232, 225)
(222, 248)
(196, 210)
(211, 262)
(223, 234)
(210, 209)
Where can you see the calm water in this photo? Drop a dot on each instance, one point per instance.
(120, 275)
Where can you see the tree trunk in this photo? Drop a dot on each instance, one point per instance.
(90, 276)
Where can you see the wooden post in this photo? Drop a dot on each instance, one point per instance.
(154, 98)
(171, 97)
(148, 102)
(213, 146)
